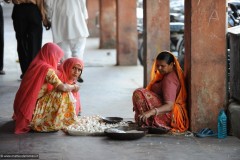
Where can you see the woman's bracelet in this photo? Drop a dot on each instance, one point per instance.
(156, 111)
(75, 88)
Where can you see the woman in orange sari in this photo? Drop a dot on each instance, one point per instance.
(41, 73)
(163, 103)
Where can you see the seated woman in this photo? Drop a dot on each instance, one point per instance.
(34, 88)
(57, 109)
(163, 103)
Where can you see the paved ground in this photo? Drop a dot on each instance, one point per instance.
(106, 91)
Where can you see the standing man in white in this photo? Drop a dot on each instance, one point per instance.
(69, 25)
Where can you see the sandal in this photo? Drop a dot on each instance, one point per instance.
(206, 132)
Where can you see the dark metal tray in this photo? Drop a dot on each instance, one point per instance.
(131, 133)
(159, 130)
(112, 119)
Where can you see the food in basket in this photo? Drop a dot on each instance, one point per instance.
(92, 124)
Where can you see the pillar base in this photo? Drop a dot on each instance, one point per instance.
(234, 117)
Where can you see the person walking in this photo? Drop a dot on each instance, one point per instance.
(28, 16)
(2, 72)
(69, 26)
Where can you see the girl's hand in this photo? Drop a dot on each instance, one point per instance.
(76, 88)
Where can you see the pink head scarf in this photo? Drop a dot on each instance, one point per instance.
(26, 96)
(65, 72)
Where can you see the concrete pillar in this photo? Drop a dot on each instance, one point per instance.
(93, 15)
(157, 32)
(126, 32)
(107, 24)
(205, 60)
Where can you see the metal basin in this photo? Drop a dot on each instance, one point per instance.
(159, 130)
(127, 133)
(112, 119)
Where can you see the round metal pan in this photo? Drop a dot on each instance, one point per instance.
(131, 133)
(112, 119)
(159, 130)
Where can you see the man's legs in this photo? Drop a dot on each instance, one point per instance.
(20, 27)
(64, 45)
(78, 47)
(35, 31)
(27, 23)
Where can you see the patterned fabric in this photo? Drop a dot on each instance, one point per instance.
(144, 100)
(180, 121)
(52, 79)
(32, 82)
(54, 111)
(162, 90)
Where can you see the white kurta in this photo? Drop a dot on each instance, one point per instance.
(68, 19)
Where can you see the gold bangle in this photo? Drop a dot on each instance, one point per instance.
(156, 111)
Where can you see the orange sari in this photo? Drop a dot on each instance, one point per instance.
(180, 121)
(177, 119)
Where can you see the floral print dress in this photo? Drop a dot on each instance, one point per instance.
(54, 110)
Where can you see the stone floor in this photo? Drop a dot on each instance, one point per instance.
(106, 91)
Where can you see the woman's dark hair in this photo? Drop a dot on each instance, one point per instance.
(166, 56)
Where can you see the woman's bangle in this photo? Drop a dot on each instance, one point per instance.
(75, 88)
(156, 111)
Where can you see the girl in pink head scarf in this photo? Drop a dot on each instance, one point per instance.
(70, 70)
(33, 87)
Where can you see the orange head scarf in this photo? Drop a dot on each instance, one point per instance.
(26, 96)
(180, 122)
(65, 70)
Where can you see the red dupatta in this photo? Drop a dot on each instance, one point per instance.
(27, 94)
(65, 71)
(180, 121)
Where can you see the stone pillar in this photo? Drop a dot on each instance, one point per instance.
(157, 32)
(205, 61)
(107, 21)
(93, 17)
(126, 32)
